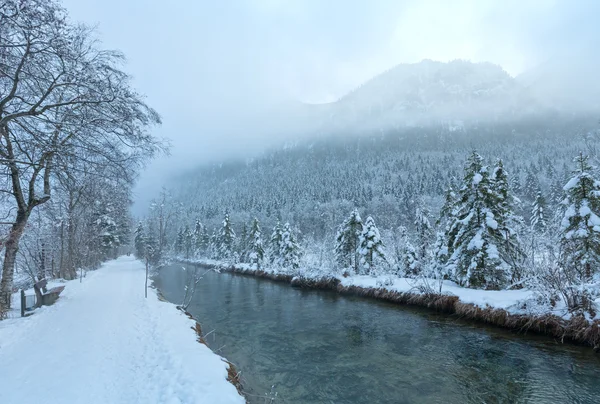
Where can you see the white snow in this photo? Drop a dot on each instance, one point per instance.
(572, 183)
(500, 299)
(103, 342)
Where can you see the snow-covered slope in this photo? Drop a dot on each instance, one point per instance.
(429, 92)
(103, 342)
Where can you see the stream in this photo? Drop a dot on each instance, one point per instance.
(305, 346)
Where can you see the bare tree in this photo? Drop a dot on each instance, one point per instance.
(64, 103)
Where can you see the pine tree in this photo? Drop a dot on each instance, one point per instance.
(532, 184)
(557, 194)
(256, 251)
(538, 213)
(213, 245)
(188, 241)
(370, 245)
(410, 264)
(243, 244)
(140, 241)
(508, 242)
(179, 241)
(199, 237)
(347, 241)
(107, 230)
(515, 183)
(580, 226)
(448, 207)
(424, 233)
(275, 243)
(440, 257)
(226, 239)
(290, 251)
(472, 236)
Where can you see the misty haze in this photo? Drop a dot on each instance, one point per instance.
(301, 201)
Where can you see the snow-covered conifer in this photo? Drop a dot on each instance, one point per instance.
(179, 241)
(346, 239)
(370, 246)
(140, 241)
(188, 241)
(474, 233)
(424, 233)
(508, 242)
(275, 243)
(226, 238)
(538, 213)
(290, 251)
(447, 209)
(199, 238)
(580, 226)
(256, 251)
(243, 244)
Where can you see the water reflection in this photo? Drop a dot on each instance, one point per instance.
(319, 347)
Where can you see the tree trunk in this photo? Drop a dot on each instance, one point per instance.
(10, 257)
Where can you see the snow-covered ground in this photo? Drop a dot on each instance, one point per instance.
(103, 342)
(509, 300)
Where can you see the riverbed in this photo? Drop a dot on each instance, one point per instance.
(307, 346)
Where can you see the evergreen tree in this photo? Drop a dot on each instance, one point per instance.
(256, 251)
(580, 226)
(515, 183)
(410, 264)
(557, 194)
(370, 245)
(179, 241)
(140, 241)
(440, 257)
(275, 242)
(448, 207)
(226, 239)
(508, 243)
(107, 229)
(213, 245)
(472, 236)
(532, 184)
(188, 241)
(243, 244)
(290, 251)
(199, 237)
(347, 241)
(538, 213)
(424, 233)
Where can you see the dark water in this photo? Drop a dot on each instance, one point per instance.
(319, 347)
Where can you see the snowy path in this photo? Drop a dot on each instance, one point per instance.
(103, 342)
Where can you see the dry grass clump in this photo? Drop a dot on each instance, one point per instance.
(234, 377)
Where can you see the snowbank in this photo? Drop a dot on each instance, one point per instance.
(103, 342)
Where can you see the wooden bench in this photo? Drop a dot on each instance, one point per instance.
(44, 296)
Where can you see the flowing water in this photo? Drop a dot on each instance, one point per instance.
(320, 347)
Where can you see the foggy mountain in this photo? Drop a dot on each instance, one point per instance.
(398, 140)
(459, 93)
(429, 93)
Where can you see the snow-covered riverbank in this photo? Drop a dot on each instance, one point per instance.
(103, 342)
(513, 309)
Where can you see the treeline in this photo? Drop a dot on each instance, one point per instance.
(73, 134)
(479, 240)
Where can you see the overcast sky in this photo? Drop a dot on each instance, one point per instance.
(212, 67)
